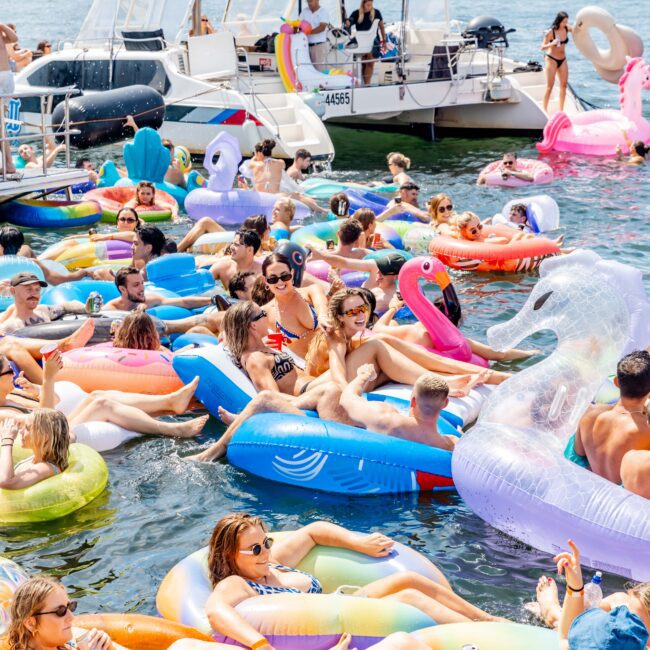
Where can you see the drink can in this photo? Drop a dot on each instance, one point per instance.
(115, 325)
(95, 302)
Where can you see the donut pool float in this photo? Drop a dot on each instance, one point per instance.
(103, 367)
(113, 199)
(38, 213)
(57, 496)
(540, 171)
(319, 619)
(520, 256)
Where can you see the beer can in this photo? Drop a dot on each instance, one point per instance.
(95, 302)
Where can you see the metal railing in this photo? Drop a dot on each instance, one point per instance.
(44, 95)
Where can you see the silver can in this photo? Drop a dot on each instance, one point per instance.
(95, 302)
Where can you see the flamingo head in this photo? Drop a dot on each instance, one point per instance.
(427, 268)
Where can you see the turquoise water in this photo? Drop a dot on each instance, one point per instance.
(113, 553)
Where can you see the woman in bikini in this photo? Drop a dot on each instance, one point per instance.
(554, 48)
(294, 312)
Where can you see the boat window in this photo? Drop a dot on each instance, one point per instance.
(94, 75)
(256, 17)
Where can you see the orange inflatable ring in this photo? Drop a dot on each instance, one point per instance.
(113, 199)
(520, 256)
(137, 631)
(103, 367)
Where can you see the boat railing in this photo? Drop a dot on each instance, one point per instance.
(6, 139)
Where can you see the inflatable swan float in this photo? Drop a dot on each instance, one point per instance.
(510, 468)
(599, 132)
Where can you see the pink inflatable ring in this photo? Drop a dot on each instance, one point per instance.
(539, 170)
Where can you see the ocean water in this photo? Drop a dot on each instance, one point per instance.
(113, 554)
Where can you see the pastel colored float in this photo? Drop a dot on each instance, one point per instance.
(540, 171)
(113, 199)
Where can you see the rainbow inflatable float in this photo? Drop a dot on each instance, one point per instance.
(38, 213)
(600, 132)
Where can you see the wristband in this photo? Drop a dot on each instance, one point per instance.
(5, 445)
(259, 644)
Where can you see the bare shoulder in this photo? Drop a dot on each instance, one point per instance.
(594, 412)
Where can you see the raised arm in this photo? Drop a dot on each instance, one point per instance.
(189, 302)
(340, 262)
(573, 605)
(51, 367)
(8, 33)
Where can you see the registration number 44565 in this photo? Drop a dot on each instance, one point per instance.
(337, 98)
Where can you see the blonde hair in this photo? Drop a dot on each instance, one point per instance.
(137, 332)
(463, 220)
(290, 206)
(433, 204)
(27, 600)
(224, 543)
(50, 427)
(642, 592)
(399, 159)
(430, 392)
(361, 12)
(236, 323)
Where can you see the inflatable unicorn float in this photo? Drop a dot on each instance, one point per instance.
(600, 132)
(510, 467)
(218, 200)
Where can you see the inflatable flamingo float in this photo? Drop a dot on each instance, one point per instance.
(447, 339)
(218, 200)
(599, 132)
(510, 468)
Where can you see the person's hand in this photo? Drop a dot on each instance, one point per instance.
(95, 640)
(343, 642)
(313, 252)
(569, 564)
(396, 302)
(5, 288)
(52, 365)
(374, 545)
(367, 372)
(130, 121)
(103, 274)
(9, 429)
(29, 389)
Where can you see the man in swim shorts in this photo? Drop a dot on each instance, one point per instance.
(429, 397)
(606, 433)
(243, 249)
(7, 36)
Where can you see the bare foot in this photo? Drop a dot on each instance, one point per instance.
(559, 240)
(226, 416)
(548, 600)
(183, 396)
(191, 428)
(213, 452)
(461, 385)
(80, 337)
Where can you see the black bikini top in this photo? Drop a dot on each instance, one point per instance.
(565, 41)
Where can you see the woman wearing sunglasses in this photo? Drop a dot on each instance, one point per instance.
(243, 562)
(294, 313)
(469, 226)
(441, 211)
(42, 618)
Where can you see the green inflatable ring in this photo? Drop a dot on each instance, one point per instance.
(85, 479)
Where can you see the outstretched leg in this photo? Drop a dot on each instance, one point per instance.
(201, 227)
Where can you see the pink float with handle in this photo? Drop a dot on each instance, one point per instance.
(539, 170)
(446, 337)
(600, 132)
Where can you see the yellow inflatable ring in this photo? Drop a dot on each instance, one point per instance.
(59, 495)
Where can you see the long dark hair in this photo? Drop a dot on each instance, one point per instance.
(558, 19)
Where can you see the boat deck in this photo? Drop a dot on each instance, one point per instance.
(34, 181)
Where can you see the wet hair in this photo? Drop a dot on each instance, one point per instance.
(170, 247)
(557, 21)
(258, 223)
(463, 220)
(123, 273)
(434, 202)
(275, 258)
(134, 212)
(224, 542)
(365, 216)
(430, 392)
(265, 146)
(137, 332)
(142, 184)
(350, 231)
(81, 161)
(11, 239)
(249, 238)
(302, 153)
(640, 148)
(261, 294)
(340, 205)
(50, 427)
(633, 374)
(27, 601)
(154, 237)
(236, 322)
(396, 158)
(238, 282)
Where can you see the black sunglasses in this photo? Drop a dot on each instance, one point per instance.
(510, 163)
(256, 549)
(61, 610)
(445, 208)
(274, 279)
(259, 316)
(8, 371)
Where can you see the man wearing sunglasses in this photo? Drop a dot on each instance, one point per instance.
(243, 249)
(509, 168)
(407, 200)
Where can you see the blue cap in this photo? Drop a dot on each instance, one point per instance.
(619, 629)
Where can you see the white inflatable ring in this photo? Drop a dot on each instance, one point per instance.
(612, 59)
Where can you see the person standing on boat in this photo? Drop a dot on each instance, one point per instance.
(7, 37)
(554, 48)
(319, 20)
(363, 18)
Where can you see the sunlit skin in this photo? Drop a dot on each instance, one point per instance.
(55, 630)
(146, 195)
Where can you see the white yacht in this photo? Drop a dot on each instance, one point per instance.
(437, 76)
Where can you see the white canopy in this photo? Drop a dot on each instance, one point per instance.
(108, 18)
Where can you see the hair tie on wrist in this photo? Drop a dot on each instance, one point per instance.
(575, 591)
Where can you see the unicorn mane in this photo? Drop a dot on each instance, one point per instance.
(631, 64)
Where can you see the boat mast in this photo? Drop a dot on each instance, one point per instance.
(196, 17)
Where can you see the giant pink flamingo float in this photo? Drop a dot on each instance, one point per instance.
(446, 337)
(599, 132)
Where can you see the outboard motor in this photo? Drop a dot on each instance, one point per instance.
(487, 31)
